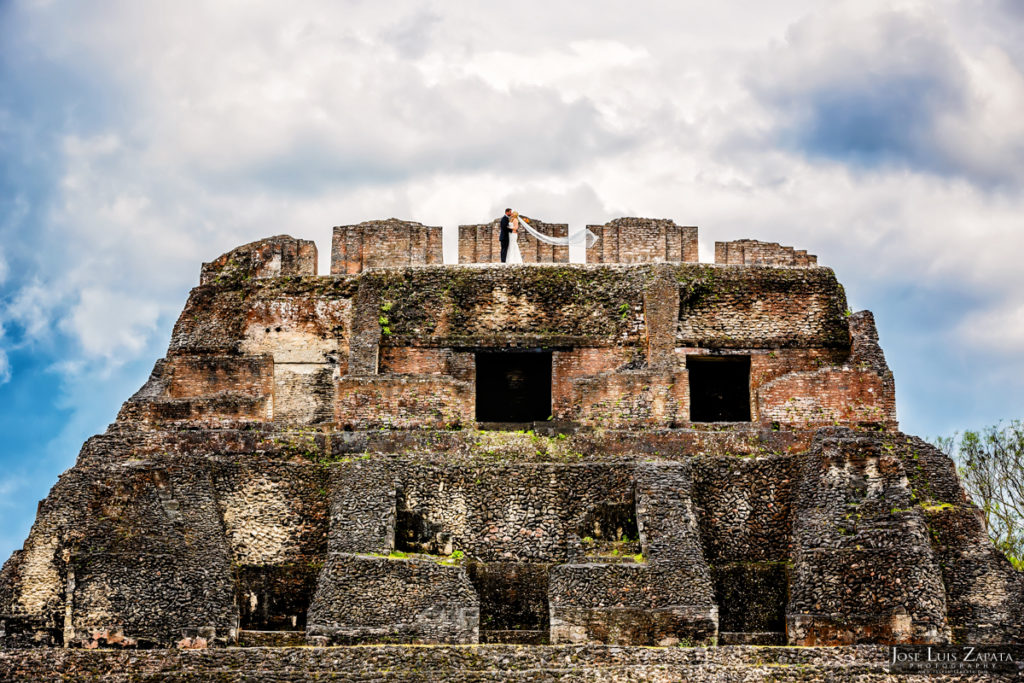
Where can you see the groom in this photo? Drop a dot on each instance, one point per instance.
(503, 235)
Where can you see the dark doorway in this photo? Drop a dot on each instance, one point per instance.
(274, 597)
(751, 597)
(513, 386)
(719, 388)
(415, 533)
(513, 601)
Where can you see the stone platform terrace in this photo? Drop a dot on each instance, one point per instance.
(462, 664)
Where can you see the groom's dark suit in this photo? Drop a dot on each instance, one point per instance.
(503, 238)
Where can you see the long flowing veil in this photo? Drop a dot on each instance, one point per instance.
(578, 237)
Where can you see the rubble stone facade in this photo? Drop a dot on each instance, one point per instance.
(755, 253)
(713, 457)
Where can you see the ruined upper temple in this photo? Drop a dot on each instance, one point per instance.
(645, 450)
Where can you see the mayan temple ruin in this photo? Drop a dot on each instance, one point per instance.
(639, 468)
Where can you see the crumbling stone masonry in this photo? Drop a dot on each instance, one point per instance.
(384, 244)
(643, 240)
(709, 454)
(753, 253)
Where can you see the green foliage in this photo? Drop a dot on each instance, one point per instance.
(991, 467)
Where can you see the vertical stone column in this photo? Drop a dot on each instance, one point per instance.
(664, 600)
(467, 244)
(559, 254)
(364, 346)
(661, 310)
(688, 240)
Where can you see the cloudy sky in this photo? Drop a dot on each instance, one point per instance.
(138, 139)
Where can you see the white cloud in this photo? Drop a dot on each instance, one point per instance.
(5, 367)
(111, 324)
(1000, 328)
(31, 307)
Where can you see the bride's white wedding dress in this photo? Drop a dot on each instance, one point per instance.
(514, 255)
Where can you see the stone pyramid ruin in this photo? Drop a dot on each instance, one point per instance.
(640, 451)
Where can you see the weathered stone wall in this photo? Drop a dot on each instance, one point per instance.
(387, 243)
(984, 594)
(667, 598)
(132, 554)
(859, 391)
(513, 512)
(863, 569)
(280, 256)
(750, 540)
(275, 517)
(621, 336)
(404, 402)
(761, 308)
(755, 253)
(643, 240)
(481, 243)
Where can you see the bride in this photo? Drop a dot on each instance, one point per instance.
(514, 255)
(584, 238)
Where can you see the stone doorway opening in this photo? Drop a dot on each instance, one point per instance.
(513, 601)
(751, 599)
(416, 533)
(610, 532)
(274, 597)
(719, 388)
(513, 386)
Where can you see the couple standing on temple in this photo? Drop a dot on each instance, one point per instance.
(510, 225)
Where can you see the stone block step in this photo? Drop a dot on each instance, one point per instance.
(271, 638)
(751, 638)
(515, 637)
